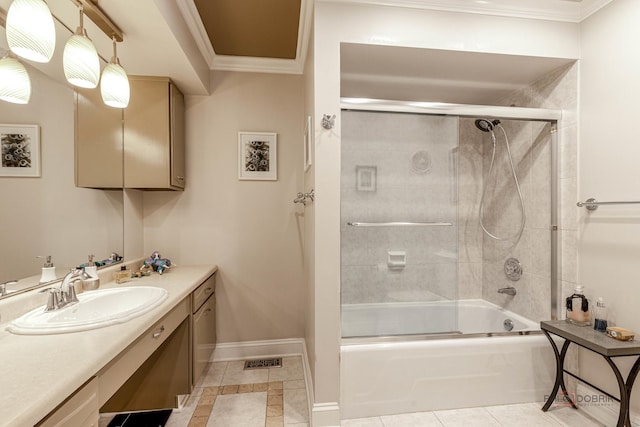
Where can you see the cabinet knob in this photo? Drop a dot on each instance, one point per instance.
(158, 332)
(180, 178)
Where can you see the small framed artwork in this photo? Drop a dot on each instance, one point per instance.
(366, 178)
(307, 144)
(257, 156)
(20, 150)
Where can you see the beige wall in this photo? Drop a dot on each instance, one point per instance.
(609, 238)
(251, 229)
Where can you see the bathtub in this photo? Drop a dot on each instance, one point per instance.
(486, 366)
(430, 317)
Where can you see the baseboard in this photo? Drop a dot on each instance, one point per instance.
(241, 350)
(325, 414)
(601, 407)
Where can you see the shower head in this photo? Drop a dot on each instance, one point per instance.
(485, 125)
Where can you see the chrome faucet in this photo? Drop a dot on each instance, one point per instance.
(66, 294)
(3, 287)
(510, 290)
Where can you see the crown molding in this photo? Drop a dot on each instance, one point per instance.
(243, 63)
(551, 10)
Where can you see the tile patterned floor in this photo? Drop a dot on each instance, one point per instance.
(229, 396)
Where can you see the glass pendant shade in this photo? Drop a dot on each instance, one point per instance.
(81, 62)
(31, 33)
(114, 86)
(15, 85)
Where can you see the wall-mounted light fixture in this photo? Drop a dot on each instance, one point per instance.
(15, 85)
(31, 35)
(30, 30)
(80, 58)
(114, 84)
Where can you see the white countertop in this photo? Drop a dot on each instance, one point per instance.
(40, 371)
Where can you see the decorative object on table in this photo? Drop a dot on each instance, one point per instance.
(600, 316)
(123, 275)
(20, 150)
(620, 334)
(156, 262)
(257, 156)
(578, 311)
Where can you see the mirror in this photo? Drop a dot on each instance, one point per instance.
(47, 214)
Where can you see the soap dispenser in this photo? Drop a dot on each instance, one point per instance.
(578, 310)
(48, 270)
(92, 270)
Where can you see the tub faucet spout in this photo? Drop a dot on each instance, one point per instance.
(508, 290)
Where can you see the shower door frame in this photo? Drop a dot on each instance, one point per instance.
(554, 117)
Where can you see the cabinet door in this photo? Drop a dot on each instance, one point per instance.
(80, 410)
(177, 138)
(98, 142)
(204, 336)
(147, 134)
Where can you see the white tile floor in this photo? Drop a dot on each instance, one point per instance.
(229, 396)
(525, 415)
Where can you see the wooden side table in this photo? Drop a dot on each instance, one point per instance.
(600, 343)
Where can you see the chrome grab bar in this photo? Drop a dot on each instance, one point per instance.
(592, 204)
(399, 224)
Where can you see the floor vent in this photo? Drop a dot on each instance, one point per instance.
(275, 362)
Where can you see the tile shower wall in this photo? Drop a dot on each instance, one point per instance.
(398, 168)
(530, 143)
(387, 142)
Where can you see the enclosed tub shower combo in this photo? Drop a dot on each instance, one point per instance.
(449, 255)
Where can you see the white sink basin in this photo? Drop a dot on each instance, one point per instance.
(96, 309)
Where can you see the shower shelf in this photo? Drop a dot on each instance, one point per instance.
(399, 224)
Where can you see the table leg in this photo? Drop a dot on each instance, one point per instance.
(624, 394)
(559, 383)
(633, 373)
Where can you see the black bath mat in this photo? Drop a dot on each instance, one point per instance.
(141, 419)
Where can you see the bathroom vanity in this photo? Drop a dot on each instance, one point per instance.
(65, 379)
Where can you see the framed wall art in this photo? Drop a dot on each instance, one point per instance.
(20, 146)
(257, 156)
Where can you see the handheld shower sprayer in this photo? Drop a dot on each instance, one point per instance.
(488, 126)
(485, 125)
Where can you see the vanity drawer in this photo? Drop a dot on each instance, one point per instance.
(80, 410)
(122, 367)
(202, 292)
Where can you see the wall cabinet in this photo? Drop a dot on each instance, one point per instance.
(141, 146)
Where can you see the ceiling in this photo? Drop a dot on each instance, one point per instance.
(188, 40)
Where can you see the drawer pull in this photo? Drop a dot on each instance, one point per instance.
(158, 332)
(207, 311)
(208, 290)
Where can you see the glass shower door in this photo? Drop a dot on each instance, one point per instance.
(399, 224)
